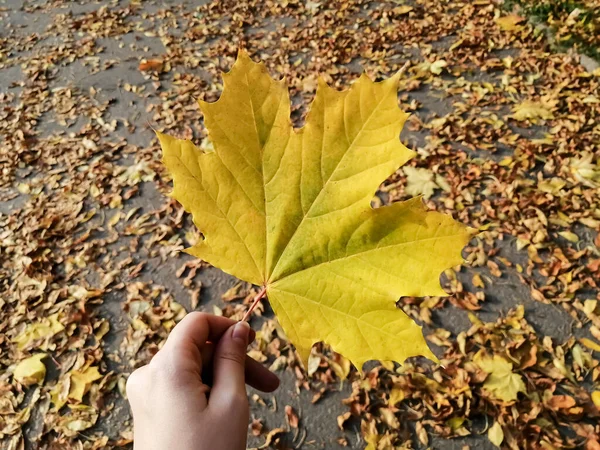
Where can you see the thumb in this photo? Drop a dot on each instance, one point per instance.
(229, 383)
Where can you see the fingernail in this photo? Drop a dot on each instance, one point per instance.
(241, 330)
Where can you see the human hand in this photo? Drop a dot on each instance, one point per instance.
(172, 406)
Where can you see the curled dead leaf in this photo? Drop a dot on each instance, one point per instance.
(151, 65)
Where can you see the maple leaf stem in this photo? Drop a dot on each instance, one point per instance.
(257, 299)
(404, 68)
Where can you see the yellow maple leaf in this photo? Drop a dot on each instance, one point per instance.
(532, 110)
(31, 370)
(501, 381)
(419, 181)
(584, 170)
(290, 210)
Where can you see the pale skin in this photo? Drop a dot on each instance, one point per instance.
(192, 395)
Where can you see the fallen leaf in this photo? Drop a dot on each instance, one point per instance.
(389, 418)
(342, 418)
(291, 417)
(341, 366)
(495, 434)
(478, 281)
(584, 169)
(81, 382)
(596, 398)
(256, 427)
(438, 66)
(557, 402)
(590, 344)
(531, 110)
(312, 6)
(552, 186)
(569, 236)
(510, 22)
(396, 396)
(403, 9)
(40, 331)
(290, 211)
(372, 441)
(419, 182)
(592, 444)
(79, 418)
(421, 433)
(234, 293)
(151, 64)
(31, 370)
(455, 422)
(314, 361)
(501, 381)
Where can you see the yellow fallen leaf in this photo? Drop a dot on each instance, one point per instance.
(81, 380)
(495, 434)
(569, 236)
(31, 370)
(455, 423)
(552, 186)
(79, 418)
(531, 110)
(60, 393)
(474, 319)
(438, 66)
(419, 181)
(388, 365)
(403, 9)
(44, 329)
(596, 398)
(290, 210)
(478, 281)
(23, 188)
(584, 170)
(389, 418)
(372, 441)
(510, 22)
(590, 344)
(309, 84)
(396, 396)
(501, 382)
(136, 173)
(341, 367)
